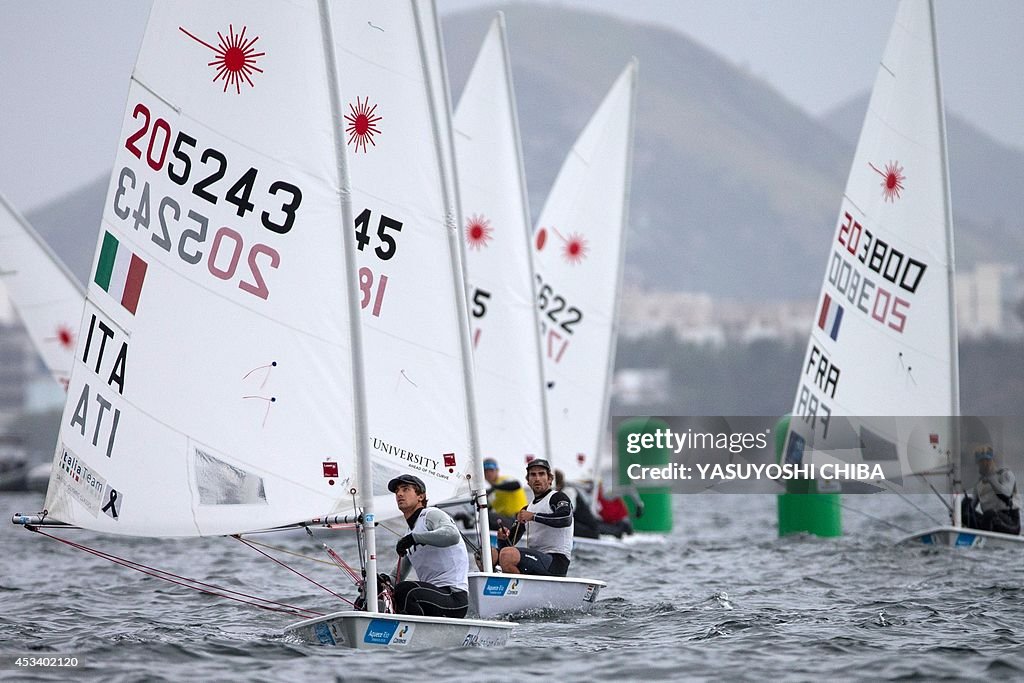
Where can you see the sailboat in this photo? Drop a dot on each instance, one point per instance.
(48, 300)
(497, 232)
(509, 378)
(578, 253)
(46, 296)
(880, 380)
(218, 383)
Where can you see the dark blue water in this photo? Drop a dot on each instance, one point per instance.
(724, 599)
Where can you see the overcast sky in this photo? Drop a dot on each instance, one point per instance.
(65, 64)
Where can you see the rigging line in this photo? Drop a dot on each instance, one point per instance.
(468, 540)
(360, 529)
(911, 503)
(936, 492)
(163, 574)
(877, 519)
(291, 552)
(336, 559)
(342, 564)
(294, 571)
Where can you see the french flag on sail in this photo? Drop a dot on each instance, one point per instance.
(120, 273)
(831, 317)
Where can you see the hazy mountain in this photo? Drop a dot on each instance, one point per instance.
(71, 225)
(735, 189)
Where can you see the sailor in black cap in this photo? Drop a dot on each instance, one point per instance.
(546, 524)
(433, 547)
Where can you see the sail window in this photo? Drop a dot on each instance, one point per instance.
(222, 484)
(877, 448)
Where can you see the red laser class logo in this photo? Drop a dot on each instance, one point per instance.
(892, 183)
(574, 247)
(478, 232)
(235, 59)
(64, 337)
(362, 124)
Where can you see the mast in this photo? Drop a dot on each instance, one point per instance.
(453, 222)
(954, 357)
(527, 223)
(634, 66)
(362, 442)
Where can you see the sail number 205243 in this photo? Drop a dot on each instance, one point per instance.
(210, 167)
(178, 227)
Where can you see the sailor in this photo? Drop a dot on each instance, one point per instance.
(433, 547)
(994, 503)
(505, 495)
(546, 524)
(584, 523)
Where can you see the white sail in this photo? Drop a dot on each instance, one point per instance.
(578, 255)
(496, 231)
(884, 340)
(212, 386)
(46, 296)
(410, 276)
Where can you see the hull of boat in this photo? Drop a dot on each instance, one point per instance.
(605, 540)
(626, 541)
(370, 630)
(961, 537)
(497, 594)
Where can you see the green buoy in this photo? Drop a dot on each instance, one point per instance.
(657, 500)
(802, 508)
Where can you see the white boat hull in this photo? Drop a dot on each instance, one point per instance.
(962, 537)
(497, 594)
(369, 630)
(626, 541)
(605, 541)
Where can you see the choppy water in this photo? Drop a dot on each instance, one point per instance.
(725, 599)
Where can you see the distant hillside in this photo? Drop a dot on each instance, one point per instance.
(71, 225)
(731, 182)
(735, 189)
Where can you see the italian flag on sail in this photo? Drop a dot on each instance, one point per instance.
(120, 273)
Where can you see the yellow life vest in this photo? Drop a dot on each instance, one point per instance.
(507, 503)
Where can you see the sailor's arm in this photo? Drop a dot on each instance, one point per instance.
(561, 512)
(441, 530)
(1003, 482)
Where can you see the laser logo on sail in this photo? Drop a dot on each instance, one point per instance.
(235, 58)
(892, 180)
(478, 232)
(362, 124)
